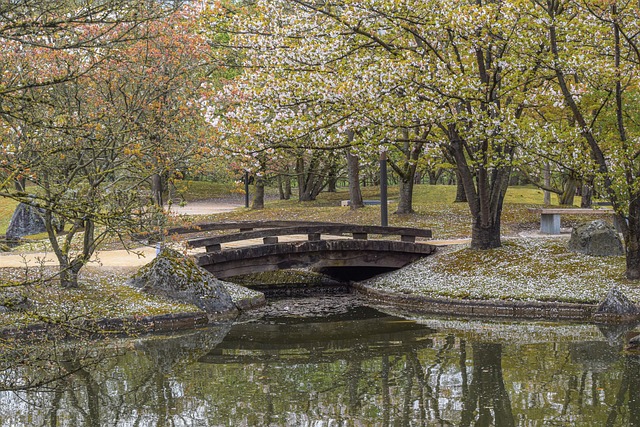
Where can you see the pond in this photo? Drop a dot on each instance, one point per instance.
(332, 361)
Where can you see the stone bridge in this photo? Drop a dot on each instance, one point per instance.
(320, 246)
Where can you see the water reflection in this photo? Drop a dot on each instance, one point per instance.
(331, 363)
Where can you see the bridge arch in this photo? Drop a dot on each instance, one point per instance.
(327, 255)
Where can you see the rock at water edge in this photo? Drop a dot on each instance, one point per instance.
(174, 276)
(616, 304)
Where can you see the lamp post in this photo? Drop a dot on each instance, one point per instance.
(246, 189)
(384, 214)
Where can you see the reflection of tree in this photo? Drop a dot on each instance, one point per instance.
(86, 385)
(83, 385)
(386, 398)
(354, 372)
(630, 384)
(487, 401)
(429, 394)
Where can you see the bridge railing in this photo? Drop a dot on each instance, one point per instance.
(222, 226)
(269, 231)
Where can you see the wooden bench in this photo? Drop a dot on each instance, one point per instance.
(313, 232)
(364, 202)
(550, 217)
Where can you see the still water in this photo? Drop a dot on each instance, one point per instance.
(331, 362)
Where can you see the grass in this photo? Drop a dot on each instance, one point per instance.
(7, 206)
(193, 191)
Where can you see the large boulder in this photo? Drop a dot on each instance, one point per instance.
(596, 238)
(174, 276)
(26, 220)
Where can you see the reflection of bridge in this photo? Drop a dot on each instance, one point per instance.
(323, 340)
(313, 251)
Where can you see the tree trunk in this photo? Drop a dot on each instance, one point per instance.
(300, 176)
(485, 201)
(461, 196)
(547, 184)
(20, 184)
(156, 189)
(332, 181)
(631, 231)
(280, 187)
(353, 172)
(68, 277)
(569, 191)
(485, 236)
(407, 170)
(434, 176)
(310, 180)
(258, 197)
(287, 188)
(405, 203)
(586, 193)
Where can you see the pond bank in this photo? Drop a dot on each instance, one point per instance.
(526, 278)
(482, 308)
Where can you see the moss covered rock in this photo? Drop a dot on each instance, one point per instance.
(174, 276)
(596, 238)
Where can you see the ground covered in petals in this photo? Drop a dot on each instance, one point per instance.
(524, 269)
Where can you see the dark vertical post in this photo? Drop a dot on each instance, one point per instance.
(246, 189)
(384, 214)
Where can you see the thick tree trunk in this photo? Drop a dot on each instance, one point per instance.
(485, 191)
(633, 260)
(547, 184)
(631, 231)
(20, 184)
(407, 170)
(353, 172)
(68, 275)
(485, 236)
(434, 176)
(300, 176)
(405, 203)
(258, 196)
(569, 191)
(281, 187)
(310, 180)
(332, 181)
